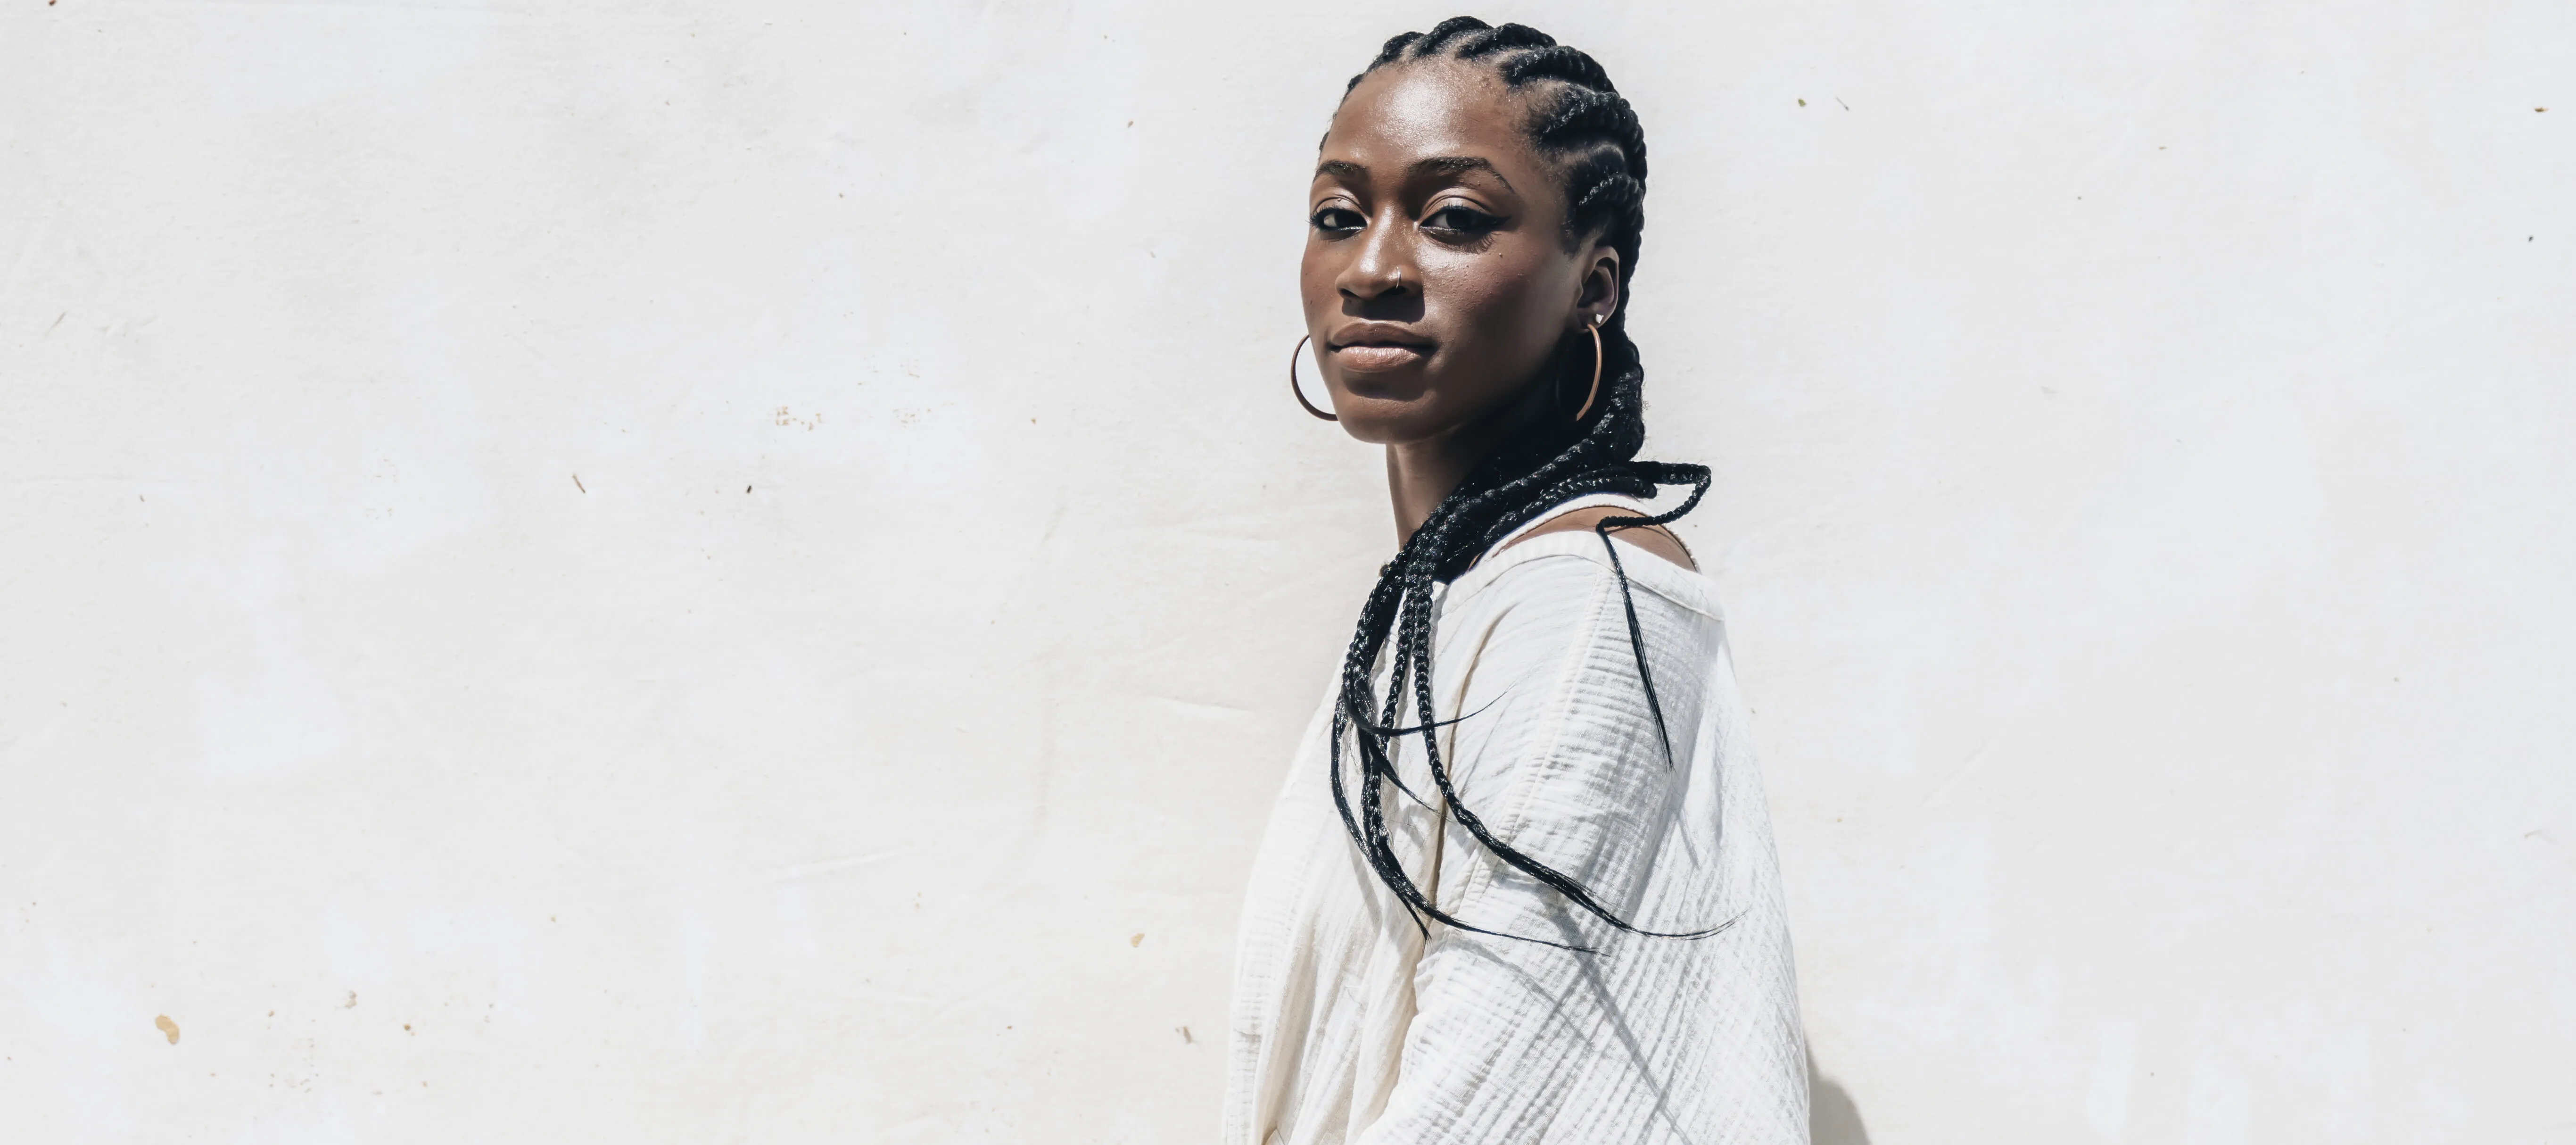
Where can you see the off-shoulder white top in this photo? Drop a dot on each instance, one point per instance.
(1350, 1025)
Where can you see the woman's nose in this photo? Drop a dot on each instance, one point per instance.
(1383, 264)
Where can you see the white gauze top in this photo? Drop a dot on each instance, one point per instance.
(1351, 1025)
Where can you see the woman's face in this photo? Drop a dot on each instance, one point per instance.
(1436, 279)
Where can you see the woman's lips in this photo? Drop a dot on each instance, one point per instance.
(1375, 356)
(1376, 347)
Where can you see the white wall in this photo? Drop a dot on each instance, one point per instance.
(2144, 498)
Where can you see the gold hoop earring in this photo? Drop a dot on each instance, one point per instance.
(1595, 330)
(1299, 394)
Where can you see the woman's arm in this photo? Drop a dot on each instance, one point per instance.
(1518, 1041)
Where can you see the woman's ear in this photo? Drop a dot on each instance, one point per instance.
(1599, 296)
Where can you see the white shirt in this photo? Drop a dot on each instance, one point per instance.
(1350, 1025)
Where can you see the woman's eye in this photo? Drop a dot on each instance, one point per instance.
(1339, 220)
(1462, 220)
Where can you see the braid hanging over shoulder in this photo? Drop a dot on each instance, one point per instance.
(1580, 121)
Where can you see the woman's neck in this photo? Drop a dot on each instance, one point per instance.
(1421, 474)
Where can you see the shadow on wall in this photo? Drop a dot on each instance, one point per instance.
(1832, 1119)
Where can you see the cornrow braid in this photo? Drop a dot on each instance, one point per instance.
(1578, 120)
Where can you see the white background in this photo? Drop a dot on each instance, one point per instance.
(703, 572)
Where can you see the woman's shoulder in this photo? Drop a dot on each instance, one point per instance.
(1654, 539)
(1553, 571)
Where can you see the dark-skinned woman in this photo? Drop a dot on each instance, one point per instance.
(1520, 886)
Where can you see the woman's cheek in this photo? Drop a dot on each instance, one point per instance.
(1500, 281)
(1315, 284)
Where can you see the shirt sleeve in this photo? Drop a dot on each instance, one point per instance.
(1518, 1041)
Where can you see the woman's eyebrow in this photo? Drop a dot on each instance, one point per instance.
(1457, 164)
(1341, 169)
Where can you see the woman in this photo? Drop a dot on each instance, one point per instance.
(1520, 885)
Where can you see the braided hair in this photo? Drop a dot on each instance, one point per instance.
(1580, 122)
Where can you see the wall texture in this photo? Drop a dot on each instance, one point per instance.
(742, 572)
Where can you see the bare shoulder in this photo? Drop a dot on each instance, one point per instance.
(1652, 538)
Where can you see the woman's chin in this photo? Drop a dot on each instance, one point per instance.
(1389, 421)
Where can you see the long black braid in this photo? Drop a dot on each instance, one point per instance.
(1579, 121)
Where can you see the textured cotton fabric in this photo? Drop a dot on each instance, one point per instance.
(1350, 1025)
